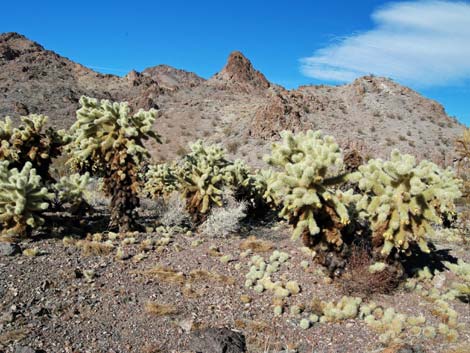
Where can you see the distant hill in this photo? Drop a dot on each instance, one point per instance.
(238, 106)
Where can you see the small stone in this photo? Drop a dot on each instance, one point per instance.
(9, 249)
(24, 349)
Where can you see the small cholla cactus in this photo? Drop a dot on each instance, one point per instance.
(22, 199)
(203, 174)
(307, 166)
(31, 142)
(160, 180)
(72, 190)
(107, 141)
(402, 199)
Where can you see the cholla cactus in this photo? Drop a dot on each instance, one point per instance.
(203, 174)
(31, 142)
(403, 199)
(306, 164)
(107, 141)
(160, 180)
(72, 190)
(22, 199)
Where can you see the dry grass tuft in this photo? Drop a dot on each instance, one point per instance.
(12, 336)
(165, 274)
(160, 309)
(252, 326)
(91, 247)
(203, 275)
(188, 292)
(256, 245)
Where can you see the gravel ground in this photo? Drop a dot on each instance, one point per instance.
(63, 300)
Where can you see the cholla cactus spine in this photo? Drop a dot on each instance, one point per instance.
(22, 199)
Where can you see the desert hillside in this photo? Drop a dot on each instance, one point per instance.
(238, 106)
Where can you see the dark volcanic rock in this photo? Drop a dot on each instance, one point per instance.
(217, 340)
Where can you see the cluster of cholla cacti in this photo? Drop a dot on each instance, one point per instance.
(202, 176)
(31, 142)
(107, 141)
(26, 154)
(402, 199)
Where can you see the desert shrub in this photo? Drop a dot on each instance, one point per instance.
(173, 211)
(225, 220)
(72, 191)
(402, 199)
(22, 199)
(31, 142)
(306, 168)
(107, 141)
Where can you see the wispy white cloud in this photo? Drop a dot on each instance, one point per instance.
(423, 43)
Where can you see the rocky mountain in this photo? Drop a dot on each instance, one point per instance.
(238, 106)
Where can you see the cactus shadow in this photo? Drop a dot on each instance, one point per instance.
(434, 260)
(60, 224)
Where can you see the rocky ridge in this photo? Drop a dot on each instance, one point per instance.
(238, 106)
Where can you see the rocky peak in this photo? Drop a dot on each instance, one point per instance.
(240, 72)
(13, 45)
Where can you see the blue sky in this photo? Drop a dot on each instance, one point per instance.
(423, 44)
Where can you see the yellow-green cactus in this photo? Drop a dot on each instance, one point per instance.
(107, 141)
(204, 173)
(31, 142)
(72, 190)
(402, 199)
(307, 166)
(22, 199)
(160, 180)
